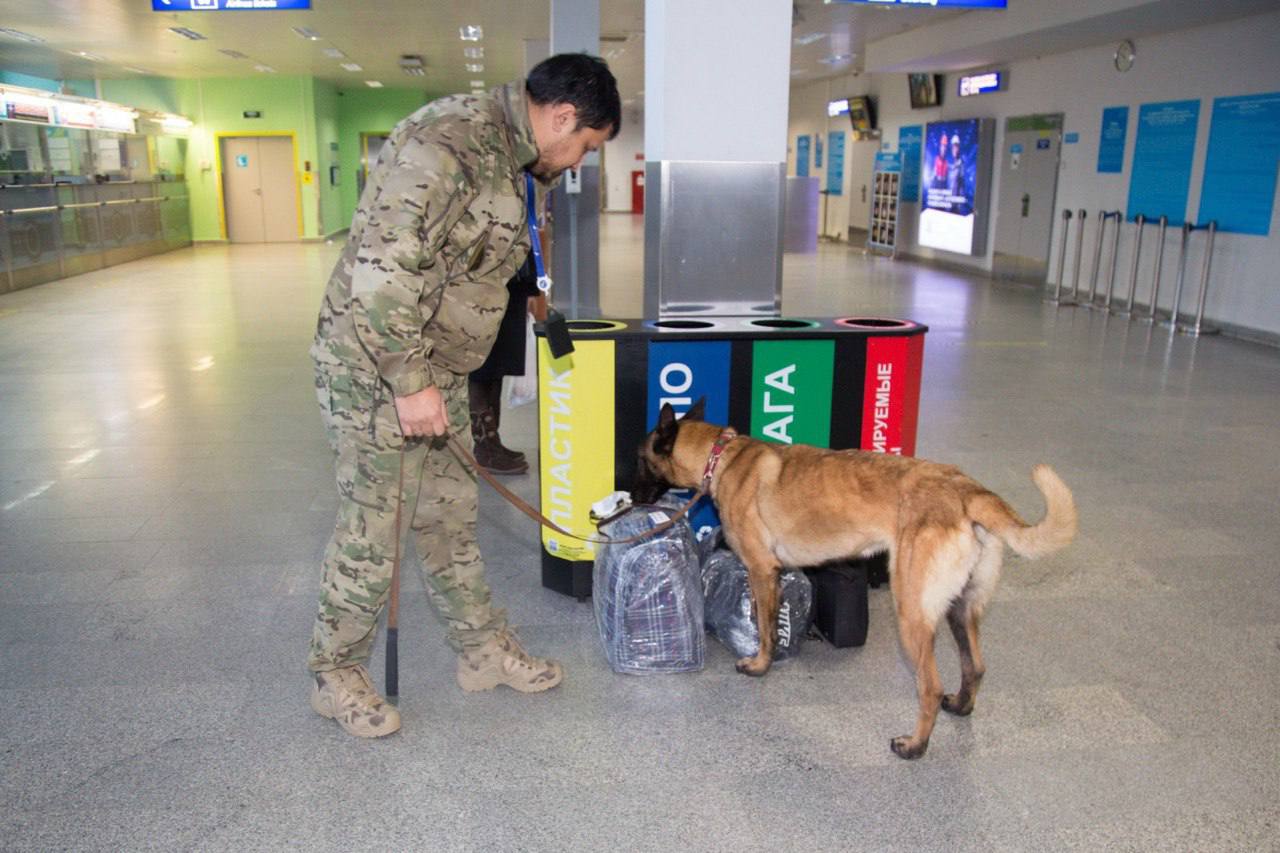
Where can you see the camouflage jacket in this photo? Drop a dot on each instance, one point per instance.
(420, 288)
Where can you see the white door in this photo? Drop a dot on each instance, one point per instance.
(259, 189)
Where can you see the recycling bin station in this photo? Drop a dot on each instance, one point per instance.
(851, 382)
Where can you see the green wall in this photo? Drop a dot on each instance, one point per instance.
(319, 115)
(367, 111)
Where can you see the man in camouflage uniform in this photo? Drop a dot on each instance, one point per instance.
(411, 308)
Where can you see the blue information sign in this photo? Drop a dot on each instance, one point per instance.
(909, 139)
(802, 156)
(228, 5)
(817, 151)
(1162, 158)
(1070, 138)
(955, 4)
(835, 163)
(1240, 169)
(1115, 126)
(888, 161)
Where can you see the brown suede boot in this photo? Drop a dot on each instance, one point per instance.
(489, 452)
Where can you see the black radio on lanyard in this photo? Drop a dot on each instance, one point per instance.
(554, 327)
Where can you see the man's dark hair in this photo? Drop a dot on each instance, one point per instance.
(582, 80)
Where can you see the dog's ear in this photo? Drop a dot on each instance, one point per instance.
(664, 437)
(698, 411)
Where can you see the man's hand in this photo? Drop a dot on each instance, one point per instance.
(423, 413)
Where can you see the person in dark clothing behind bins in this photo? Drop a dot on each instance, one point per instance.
(505, 359)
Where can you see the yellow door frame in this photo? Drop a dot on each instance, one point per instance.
(249, 134)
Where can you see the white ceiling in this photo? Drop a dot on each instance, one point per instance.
(130, 39)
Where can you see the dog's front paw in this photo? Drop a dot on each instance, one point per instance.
(753, 666)
(905, 747)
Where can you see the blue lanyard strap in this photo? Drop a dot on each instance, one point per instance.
(544, 280)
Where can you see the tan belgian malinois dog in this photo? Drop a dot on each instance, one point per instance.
(785, 507)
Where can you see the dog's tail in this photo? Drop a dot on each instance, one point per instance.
(1053, 532)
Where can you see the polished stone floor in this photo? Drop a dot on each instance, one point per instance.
(165, 495)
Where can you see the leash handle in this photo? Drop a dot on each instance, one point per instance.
(392, 670)
(515, 500)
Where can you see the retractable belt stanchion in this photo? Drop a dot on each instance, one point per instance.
(1097, 260)
(1140, 221)
(1057, 299)
(1155, 275)
(1198, 328)
(1075, 270)
(1187, 228)
(1115, 256)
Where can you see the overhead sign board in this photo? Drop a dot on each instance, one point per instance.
(228, 5)
(980, 84)
(955, 4)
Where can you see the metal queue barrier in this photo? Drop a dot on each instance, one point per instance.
(51, 231)
(852, 382)
(1193, 327)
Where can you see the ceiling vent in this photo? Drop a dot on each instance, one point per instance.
(412, 65)
(188, 33)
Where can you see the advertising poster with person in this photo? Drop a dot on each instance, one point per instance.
(949, 180)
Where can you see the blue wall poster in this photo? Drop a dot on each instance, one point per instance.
(835, 162)
(1115, 127)
(228, 5)
(909, 139)
(802, 156)
(1162, 157)
(817, 151)
(1240, 169)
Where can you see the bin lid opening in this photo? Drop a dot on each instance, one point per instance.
(875, 322)
(784, 323)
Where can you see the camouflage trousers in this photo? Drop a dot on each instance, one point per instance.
(439, 507)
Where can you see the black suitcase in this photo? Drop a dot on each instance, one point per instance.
(840, 599)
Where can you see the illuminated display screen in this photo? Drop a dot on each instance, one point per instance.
(948, 184)
(979, 84)
(837, 108)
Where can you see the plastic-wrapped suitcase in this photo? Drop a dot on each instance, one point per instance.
(729, 614)
(647, 595)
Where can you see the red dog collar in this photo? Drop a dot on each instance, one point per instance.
(713, 459)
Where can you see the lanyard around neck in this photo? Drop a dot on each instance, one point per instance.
(535, 239)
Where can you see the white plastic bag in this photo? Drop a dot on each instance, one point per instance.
(522, 390)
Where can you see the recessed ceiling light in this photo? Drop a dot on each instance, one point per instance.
(333, 53)
(188, 33)
(477, 84)
(20, 35)
(265, 69)
(836, 58)
(809, 38)
(471, 32)
(373, 84)
(136, 70)
(351, 66)
(473, 52)
(307, 33)
(475, 67)
(412, 65)
(234, 54)
(92, 57)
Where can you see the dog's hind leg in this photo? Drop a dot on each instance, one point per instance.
(964, 627)
(916, 629)
(964, 615)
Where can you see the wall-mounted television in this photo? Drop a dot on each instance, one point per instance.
(925, 89)
(862, 114)
(837, 107)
